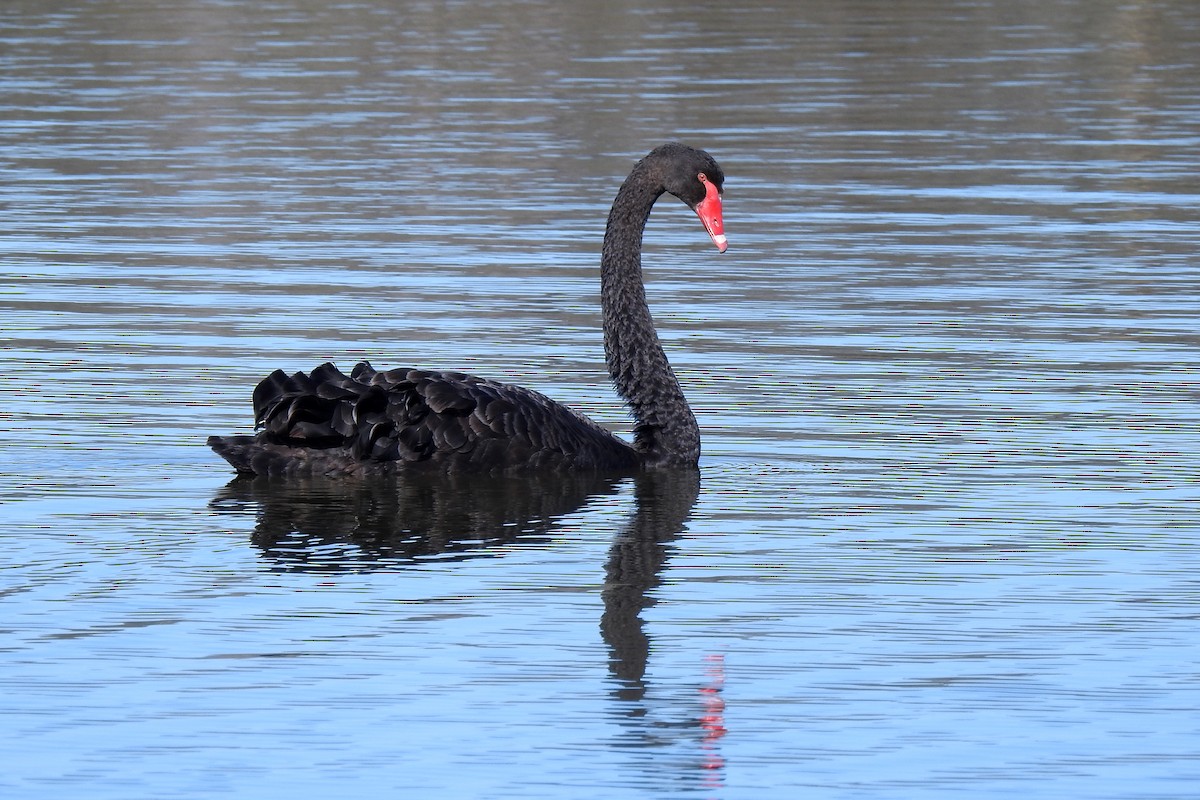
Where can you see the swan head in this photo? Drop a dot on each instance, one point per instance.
(696, 178)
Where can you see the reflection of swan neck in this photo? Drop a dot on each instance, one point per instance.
(664, 499)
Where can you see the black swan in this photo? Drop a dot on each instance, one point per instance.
(325, 423)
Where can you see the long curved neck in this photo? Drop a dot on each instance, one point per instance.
(665, 430)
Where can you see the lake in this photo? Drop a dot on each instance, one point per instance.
(944, 537)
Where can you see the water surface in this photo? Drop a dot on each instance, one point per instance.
(943, 541)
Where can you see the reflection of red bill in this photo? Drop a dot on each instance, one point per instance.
(709, 211)
(712, 720)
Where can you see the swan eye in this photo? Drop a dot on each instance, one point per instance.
(703, 178)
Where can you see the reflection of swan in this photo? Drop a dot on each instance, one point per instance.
(384, 523)
(322, 525)
(405, 419)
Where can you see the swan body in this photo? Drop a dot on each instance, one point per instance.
(372, 422)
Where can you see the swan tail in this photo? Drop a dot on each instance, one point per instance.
(255, 455)
(239, 451)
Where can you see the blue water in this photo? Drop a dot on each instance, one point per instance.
(944, 539)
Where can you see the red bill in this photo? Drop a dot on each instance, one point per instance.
(709, 211)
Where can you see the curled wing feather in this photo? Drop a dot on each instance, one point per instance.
(420, 417)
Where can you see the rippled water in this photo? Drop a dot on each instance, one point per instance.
(944, 539)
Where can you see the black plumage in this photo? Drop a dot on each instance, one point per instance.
(372, 422)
